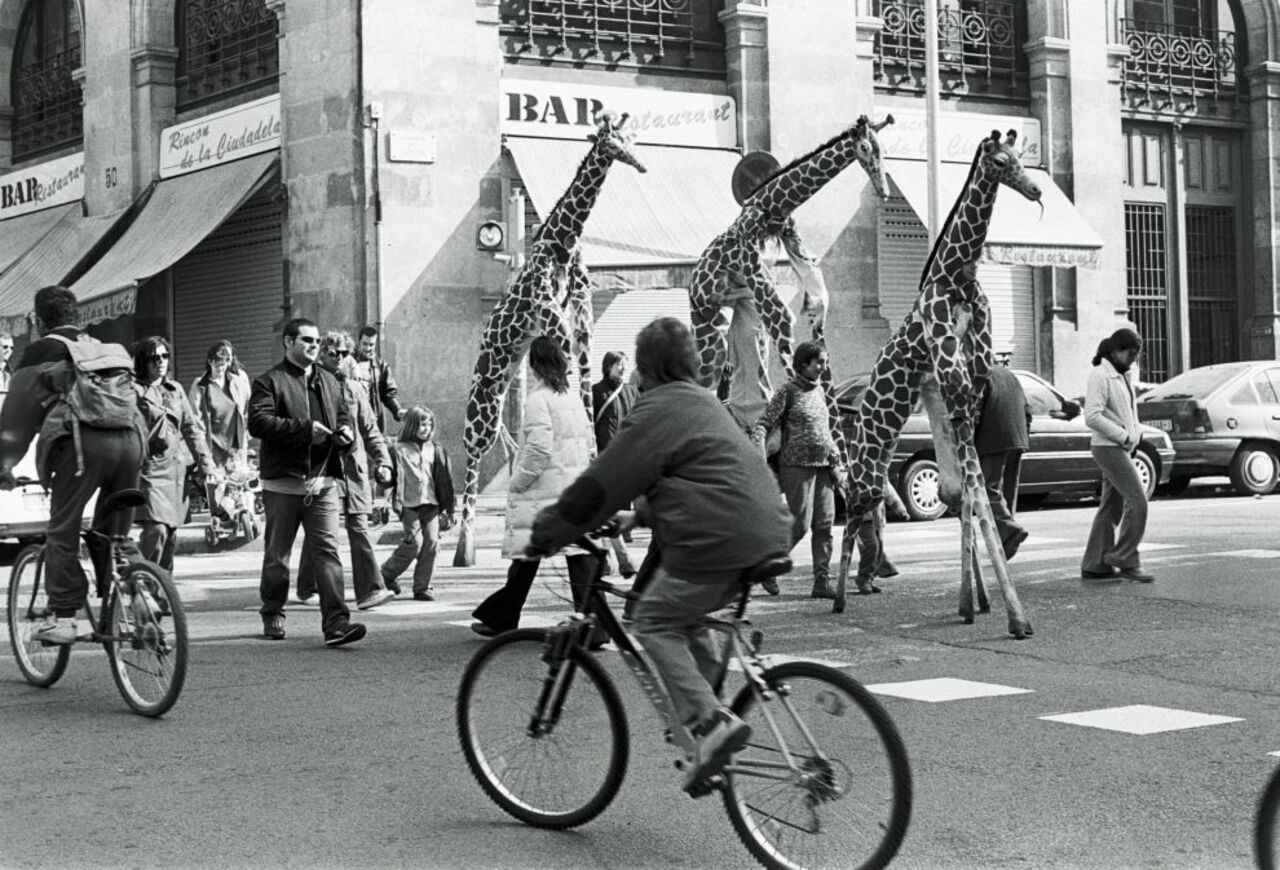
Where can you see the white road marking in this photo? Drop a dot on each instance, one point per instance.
(944, 689)
(1141, 719)
(786, 658)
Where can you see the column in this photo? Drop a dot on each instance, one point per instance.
(1263, 322)
(746, 58)
(154, 70)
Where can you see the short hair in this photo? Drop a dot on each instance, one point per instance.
(293, 328)
(611, 359)
(367, 331)
(57, 306)
(548, 362)
(806, 353)
(336, 338)
(665, 352)
(144, 348)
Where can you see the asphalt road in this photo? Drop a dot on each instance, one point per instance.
(293, 755)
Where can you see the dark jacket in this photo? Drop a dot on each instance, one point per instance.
(608, 419)
(46, 349)
(383, 392)
(280, 416)
(1005, 418)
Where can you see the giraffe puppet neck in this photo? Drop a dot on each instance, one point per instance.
(965, 230)
(796, 183)
(565, 221)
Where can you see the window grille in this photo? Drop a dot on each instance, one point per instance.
(1212, 292)
(225, 47)
(1146, 260)
(48, 111)
(1171, 61)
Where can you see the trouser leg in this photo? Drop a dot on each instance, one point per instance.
(407, 550)
(1102, 534)
(1012, 480)
(993, 473)
(320, 525)
(644, 576)
(284, 515)
(1118, 470)
(429, 523)
(501, 610)
(824, 517)
(364, 564)
(797, 484)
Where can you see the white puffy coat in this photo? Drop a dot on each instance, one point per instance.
(555, 447)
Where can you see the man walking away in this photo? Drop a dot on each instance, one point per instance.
(375, 374)
(611, 401)
(1001, 438)
(297, 411)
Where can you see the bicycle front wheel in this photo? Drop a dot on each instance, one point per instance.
(147, 639)
(825, 780)
(555, 773)
(1264, 826)
(28, 605)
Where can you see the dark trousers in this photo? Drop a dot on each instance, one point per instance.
(501, 610)
(364, 564)
(644, 577)
(811, 497)
(319, 521)
(1000, 473)
(112, 461)
(156, 543)
(421, 541)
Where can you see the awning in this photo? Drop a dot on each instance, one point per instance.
(17, 235)
(50, 261)
(1018, 233)
(666, 216)
(177, 217)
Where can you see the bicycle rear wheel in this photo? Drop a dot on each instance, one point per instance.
(147, 639)
(849, 804)
(28, 605)
(1265, 833)
(566, 773)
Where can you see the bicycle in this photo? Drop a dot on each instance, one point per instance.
(1265, 833)
(555, 759)
(139, 620)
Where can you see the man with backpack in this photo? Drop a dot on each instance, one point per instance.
(77, 394)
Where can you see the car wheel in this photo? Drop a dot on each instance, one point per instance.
(921, 490)
(1146, 468)
(1254, 470)
(1176, 486)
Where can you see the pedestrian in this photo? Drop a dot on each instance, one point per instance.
(6, 353)
(220, 399)
(298, 412)
(424, 496)
(100, 460)
(808, 464)
(368, 456)
(611, 400)
(555, 447)
(175, 440)
(375, 374)
(1001, 436)
(1111, 412)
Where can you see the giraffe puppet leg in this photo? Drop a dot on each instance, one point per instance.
(975, 498)
(484, 408)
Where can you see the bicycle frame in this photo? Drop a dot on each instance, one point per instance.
(98, 621)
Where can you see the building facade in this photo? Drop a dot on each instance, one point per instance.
(205, 169)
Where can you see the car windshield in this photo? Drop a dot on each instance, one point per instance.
(1195, 383)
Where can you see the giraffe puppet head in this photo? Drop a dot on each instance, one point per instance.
(867, 150)
(1000, 160)
(614, 140)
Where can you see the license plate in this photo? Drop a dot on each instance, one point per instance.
(36, 502)
(1166, 425)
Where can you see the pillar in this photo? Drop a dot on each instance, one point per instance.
(746, 58)
(1263, 323)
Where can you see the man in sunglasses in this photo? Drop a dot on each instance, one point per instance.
(298, 412)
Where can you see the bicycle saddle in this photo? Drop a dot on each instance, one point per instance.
(125, 499)
(767, 570)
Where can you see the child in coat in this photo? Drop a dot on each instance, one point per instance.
(424, 496)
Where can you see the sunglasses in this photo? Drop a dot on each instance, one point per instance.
(339, 353)
(307, 339)
(156, 357)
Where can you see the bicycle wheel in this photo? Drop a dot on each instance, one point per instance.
(147, 643)
(850, 801)
(28, 605)
(564, 776)
(1264, 825)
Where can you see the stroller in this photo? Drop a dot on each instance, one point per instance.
(234, 504)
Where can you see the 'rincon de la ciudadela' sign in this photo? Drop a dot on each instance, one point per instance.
(39, 187)
(224, 136)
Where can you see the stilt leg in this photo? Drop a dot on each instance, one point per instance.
(967, 560)
(979, 587)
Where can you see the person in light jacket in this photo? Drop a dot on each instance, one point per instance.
(1111, 412)
(555, 447)
(424, 497)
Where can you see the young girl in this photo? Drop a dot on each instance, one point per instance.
(424, 493)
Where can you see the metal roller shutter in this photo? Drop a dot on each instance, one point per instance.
(231, 286)
(904, 246)
(1013, 318)
(619, 316)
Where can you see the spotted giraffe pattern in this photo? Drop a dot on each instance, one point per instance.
(549, 296)
(946, 333)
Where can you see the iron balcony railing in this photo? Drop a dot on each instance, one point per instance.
(1168, 61)
(979, 47)
(606, 31)
(48, 108)
(226, 46)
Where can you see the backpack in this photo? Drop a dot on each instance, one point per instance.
(99, 392)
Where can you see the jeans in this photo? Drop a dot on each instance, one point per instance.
(1124, 504)
(811, 498)
(364, 564)
(112, 462)
(156, 543)
(421, 541)
(501, 610)
(870, 536)
(1000, 473)
(671, 625)
(319, 521)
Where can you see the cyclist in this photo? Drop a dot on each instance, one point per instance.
(716, 508)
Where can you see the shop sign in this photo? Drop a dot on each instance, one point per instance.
(39, 187)
(242, 131)
(958, 135)
(565, 110)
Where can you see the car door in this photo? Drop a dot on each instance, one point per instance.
(1271, 402)
(1059, 453)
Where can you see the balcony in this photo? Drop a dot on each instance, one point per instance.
(48, 108)
(979, 48)
(227, 47)
(1171, 67)
(680, 35)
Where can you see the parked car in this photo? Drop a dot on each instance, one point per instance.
(1223, 419)
(1058, 462)
(24, 510)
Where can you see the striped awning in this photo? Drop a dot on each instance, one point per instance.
(666, 216)
(18, 234)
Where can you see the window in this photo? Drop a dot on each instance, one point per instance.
(1180, 48)
(1244, 396)
(224, 47)
(1268, 386)
(47, 106)
(1043, 401)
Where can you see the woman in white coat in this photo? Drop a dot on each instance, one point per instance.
(555, 447)
(1111, 412)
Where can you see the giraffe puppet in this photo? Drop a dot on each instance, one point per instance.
(946, 334)
(549, 296)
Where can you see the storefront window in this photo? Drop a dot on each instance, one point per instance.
(47, 110)
(225, 47)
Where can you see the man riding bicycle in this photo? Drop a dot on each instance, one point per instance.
(712, 502)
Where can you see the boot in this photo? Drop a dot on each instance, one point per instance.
(822, 589)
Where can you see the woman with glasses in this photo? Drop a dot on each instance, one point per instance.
(220, 397)
(175, 440)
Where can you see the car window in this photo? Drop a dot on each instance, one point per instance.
(1195, 383)
(1270, 395)
(1041, 399)
(1245, 396)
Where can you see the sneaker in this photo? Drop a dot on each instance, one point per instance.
(1098, 573)
(273, 627)
(392, 585)
(424, 595)
(344, 634)
(312, 600)
(718, 738)
(1137, 574)
(54, 631)
(374, 598)
(771, 586)
(822, 589)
